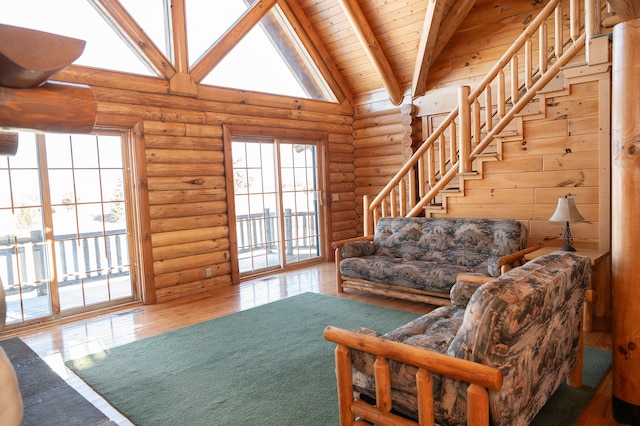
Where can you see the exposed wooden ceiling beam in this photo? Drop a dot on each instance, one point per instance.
(147, 51)
(29, 57)
(426, 46)
(315, 47)
(373, 49)
(626, 9)
(230, 39)
(181, 83)
(449, 25)
(51, 107)
(8, 143)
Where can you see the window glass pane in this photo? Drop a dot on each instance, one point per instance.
(207, 20)
(27, 156)
(63, 190)
(77, 19)
(64, 221)
(25, 186)
(114, 216)
(90, 218)
(5, 190)
(58, 151)
(112, 187)
(85, 151)
(270, 58)
(87, 186)
(110, 152)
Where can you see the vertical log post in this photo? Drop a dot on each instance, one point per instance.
(464, 121)
(625, 204)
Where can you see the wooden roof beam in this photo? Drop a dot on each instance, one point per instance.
(230, 39)
(427, 45)
(315, 48)
(626, 9)
(143, 46)
(29, 57)
(449, 25)
(372, 48)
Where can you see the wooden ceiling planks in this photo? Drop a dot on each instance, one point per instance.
(626, 9)
(372, 47)
(396, 27)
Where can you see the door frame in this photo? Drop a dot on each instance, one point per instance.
(309, 136)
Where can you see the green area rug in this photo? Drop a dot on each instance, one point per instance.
(264, 366)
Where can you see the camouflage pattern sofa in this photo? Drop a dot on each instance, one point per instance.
(419, 258)
(525, 324)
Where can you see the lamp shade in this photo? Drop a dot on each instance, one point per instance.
(566, 211)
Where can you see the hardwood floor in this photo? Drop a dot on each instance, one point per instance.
(57, 343)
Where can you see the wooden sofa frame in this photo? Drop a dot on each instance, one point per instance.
(506, 263)
(481, 379)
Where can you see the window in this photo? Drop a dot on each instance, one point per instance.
(276, 198)
(67, 246)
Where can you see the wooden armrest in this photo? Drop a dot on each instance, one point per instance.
(340, 243)
(457, 368)
(474, 278)
(510, 258)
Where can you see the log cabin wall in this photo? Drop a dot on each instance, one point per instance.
(563, 146)
(182, 138)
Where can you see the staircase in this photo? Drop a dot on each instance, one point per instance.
(467, 136)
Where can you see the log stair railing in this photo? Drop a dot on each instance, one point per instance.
(528, 65)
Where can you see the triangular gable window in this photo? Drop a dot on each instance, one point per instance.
(271, 59)
(152, 16)
(104, 48)
(207, 21)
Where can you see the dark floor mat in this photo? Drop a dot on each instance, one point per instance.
(47, 398)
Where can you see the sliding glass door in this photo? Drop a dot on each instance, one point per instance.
(276, 196)
(64, 238)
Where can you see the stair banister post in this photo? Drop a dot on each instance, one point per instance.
(366, 216)
(464, 122)
(591, 23)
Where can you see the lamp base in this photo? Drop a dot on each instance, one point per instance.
(568, 248)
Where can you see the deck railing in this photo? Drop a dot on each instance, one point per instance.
(90, 255)
(260, 230)
(528, 65)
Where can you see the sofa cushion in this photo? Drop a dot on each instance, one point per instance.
(357, 249)
(470, 242)
(421, 274)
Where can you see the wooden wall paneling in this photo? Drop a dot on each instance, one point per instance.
(192, 222)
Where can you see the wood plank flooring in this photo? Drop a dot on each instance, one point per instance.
(66, 340)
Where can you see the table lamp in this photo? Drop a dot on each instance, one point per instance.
(567, 212)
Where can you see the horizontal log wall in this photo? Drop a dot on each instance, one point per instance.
(383, 139)
(183, 150)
